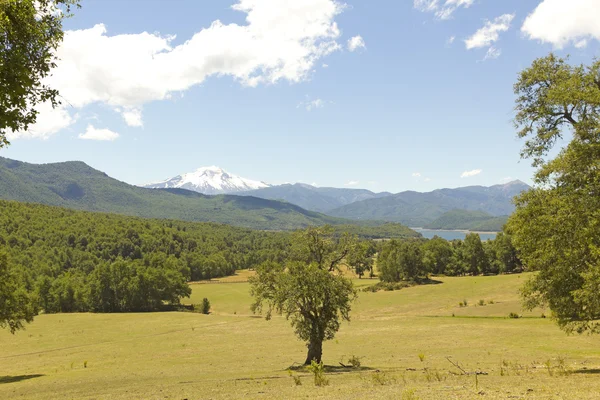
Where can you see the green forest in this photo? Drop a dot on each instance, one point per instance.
(82, 261)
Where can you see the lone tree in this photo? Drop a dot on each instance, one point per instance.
(309, 289)
(30, 32)
(556, 226)
(16, 305)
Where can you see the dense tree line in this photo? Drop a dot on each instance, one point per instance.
(72, 261)
(414, 259)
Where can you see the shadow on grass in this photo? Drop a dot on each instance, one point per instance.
(14, 379)
(391, 286)
(331, 369)
(594, 371)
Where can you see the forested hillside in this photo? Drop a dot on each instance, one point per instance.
(83, 261)
(78, 186)
(477, 221)
(419, 209)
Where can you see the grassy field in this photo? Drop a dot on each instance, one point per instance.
(233, 354)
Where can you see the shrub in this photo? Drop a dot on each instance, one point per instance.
(381, 378)
(513, 315)
(482, 302)
(421, 357)
(354, 361)
(388, 286)
(205, 306)
(318, 370)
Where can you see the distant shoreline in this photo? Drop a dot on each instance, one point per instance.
(456, 230)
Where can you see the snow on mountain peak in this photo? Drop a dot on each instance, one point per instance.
(210, 180)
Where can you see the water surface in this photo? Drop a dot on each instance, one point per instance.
(451, 235)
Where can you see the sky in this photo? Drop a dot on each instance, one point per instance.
(387, 95)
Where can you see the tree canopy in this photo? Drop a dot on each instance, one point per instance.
(16, 304)
(80, 261)
(556, 225)
(30, 33)
(308, 290)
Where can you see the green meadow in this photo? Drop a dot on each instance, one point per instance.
(417, 343)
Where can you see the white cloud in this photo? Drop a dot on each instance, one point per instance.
(351, 183)
(325, 65)
(310, 105)
(442, 9)
(506, 180)
(492, 53)
(561, 22)
(280, 41)
(450, 40)
(356, 42)
(92, 133)
(419, 177)
(49, 121)
(133, 117)
(490, 32)
(318, 103)
(468, 174)
(581, 44)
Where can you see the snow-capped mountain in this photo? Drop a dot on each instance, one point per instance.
(209, 180)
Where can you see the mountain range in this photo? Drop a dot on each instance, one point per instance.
(256, 204)
(409, 207)
(420, 209)
(321, 199)
(78, 186)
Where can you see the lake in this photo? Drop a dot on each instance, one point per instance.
(451, 235)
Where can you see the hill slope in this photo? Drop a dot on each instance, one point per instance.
(315, 198)
(78, 186)
(468, 220)
(420, 209)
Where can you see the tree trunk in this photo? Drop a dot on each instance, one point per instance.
(315, 351)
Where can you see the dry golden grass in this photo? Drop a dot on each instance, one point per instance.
(232, 354)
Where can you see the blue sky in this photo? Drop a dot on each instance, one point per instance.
(407, 106)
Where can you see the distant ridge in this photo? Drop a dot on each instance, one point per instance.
(420, 209)
(321, 199)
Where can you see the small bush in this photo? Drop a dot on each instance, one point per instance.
(85, 364)
(388, 286)
(461, 304)
(548, 365)
(513, 315)
(354, 361)
(433, 375)
(491, 302)
(465, 302)
(482, 302)
(421, 357)
(297, 380)
(381, 378)
(205, 306)
(318, 370)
